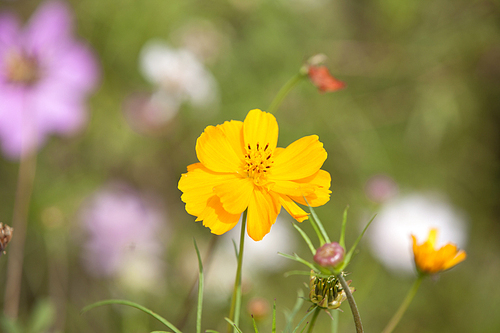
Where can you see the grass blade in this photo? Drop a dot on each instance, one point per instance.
(306, 238)
(200, 289)
(134, 305)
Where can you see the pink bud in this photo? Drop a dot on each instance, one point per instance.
(329, 255)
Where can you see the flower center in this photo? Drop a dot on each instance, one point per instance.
(21, 67)
(258, 161)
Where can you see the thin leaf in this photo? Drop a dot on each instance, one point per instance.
(211, 331)
(160, 332)
(351, 251)
(295, 257)
(295, 310)
(319, 224)
(200, 289)
(232, 323)
(342, 231)
(255, 325)
(235, 249)
(300, 323)
(273, 330)
(306, 238)
(134, 305)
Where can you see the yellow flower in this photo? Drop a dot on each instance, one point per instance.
(241, 168)
(429, 260)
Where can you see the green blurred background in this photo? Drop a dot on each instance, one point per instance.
(421, 105)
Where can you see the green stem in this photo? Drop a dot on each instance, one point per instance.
(26, 177)
(352, 304)
(406, 302)
(280, 96)
(313, 320)
(335, 321)
(234, 314)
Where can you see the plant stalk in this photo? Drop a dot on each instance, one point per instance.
(313, 319)
(234, 314)
(352, 304)
(402, 308)
(287, 87)
(26, 177)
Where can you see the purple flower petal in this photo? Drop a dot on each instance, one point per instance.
(49, 28)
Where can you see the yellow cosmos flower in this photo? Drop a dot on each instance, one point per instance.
(241, 168)
(429, 260)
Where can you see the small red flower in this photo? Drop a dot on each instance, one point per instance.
(320, 76)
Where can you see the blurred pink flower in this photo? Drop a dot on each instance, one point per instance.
(122, 230)
(45, 76)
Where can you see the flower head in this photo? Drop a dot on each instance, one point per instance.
(45, 76)
(430, 260)
(320, 76)
(416, 213)
(329, 255)
(327, 293)
(5, 236)
(122, 229)
(242, 168)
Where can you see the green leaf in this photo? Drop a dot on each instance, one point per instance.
(295, 257)
(351, 251)
(200, 289)
(273, 330)
(233, 324)
(315, 221)
(342, 231)
(9, 325)
(295, 310)
(43, 316)
(134, 305)
(306, 238)
(255, 325)
(304, 318)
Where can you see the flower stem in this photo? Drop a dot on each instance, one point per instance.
(280, 96)
(406, 302)
(313, 320)
(26, 177)
(234, 314)
(352, 304)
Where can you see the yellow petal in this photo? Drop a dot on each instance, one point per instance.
(216, 218)
(432, 237)
(291, 188)
(197, 187)
(461, 255)
(235, 194)
(291, 207)
(215, 151)
(321, 194)
(234, 133)
(263, 209)
(260, 128)
(300, 159)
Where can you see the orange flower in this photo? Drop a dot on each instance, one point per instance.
(430, 261)
(241, 168)
(320, 76)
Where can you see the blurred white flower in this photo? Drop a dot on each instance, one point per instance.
(122, 237)
(390, 234)
(178, 73)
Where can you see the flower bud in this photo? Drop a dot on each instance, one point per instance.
(329, 255)
(5, 236)
(327, 293)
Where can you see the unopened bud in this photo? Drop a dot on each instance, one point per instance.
(329, 255)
